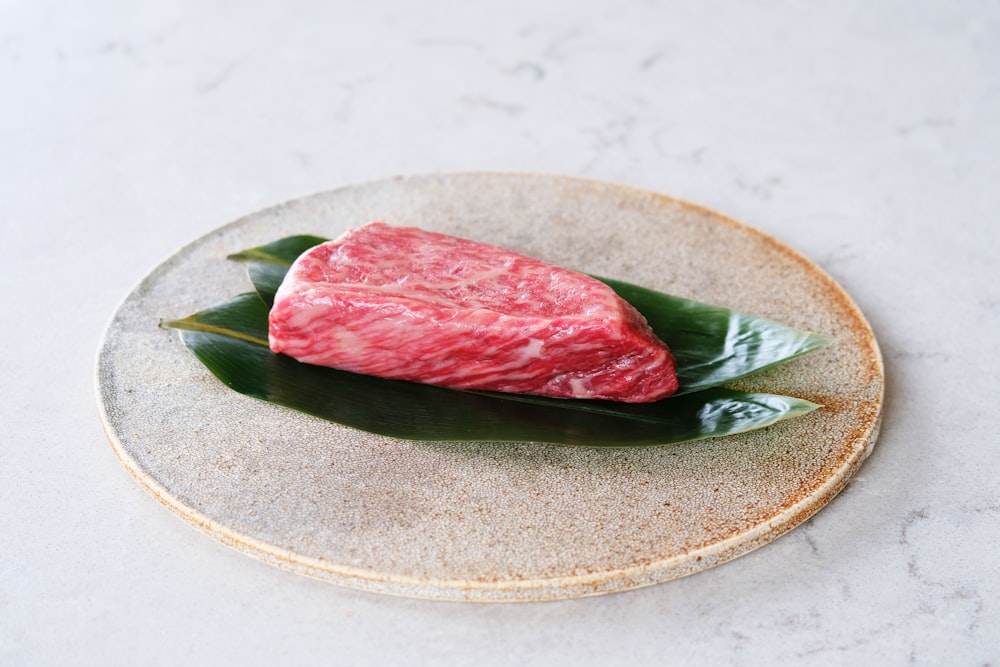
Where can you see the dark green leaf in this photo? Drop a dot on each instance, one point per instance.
(714, 345)
(269, 263)
(243, 317)
(230, 339)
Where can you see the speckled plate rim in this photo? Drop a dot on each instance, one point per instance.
(538, 589)
(534, 590)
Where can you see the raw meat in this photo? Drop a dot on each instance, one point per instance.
(405, 303)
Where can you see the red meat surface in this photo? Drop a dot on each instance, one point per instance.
(404, 303)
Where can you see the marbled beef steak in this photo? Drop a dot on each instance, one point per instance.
(404, 303)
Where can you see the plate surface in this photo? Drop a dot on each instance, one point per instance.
(493, 522)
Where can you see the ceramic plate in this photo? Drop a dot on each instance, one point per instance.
(493, 522)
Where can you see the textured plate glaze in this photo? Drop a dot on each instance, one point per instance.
(493, 522)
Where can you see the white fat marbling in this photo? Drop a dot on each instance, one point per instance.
(865, 134)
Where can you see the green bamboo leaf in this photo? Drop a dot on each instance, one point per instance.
(231, 341)
(711, 345)
(268, 264)
(714, 345)
(243, 317)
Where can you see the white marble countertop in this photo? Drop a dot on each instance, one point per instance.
(864, 134)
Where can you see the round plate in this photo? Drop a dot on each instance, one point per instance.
(510, 521)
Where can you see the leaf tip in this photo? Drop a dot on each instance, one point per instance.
(823, 341)
(815, 341)
(802, 407)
